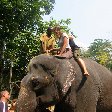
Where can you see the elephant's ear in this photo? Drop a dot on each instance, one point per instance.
(65, 75)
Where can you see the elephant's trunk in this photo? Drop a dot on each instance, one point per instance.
(26, 100)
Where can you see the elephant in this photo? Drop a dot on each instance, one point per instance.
(60, 82)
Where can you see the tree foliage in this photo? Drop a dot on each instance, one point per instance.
(18, 20)
(21, 15)
(101, 51)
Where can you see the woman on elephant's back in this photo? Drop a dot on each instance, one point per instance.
(63, 42)
(65, 48)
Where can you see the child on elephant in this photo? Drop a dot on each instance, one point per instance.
(48, 41)
(68, 48)
(76, 54)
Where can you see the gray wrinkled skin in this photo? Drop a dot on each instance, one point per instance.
(27, 98)
(60, 82)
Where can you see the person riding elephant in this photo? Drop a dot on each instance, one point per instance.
(60, 82)
(67, 46)
(47, 41)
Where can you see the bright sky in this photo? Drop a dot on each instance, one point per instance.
(90, 19)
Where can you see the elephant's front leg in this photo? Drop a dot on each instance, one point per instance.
(69, 108)
(40, 105)
(74, 104)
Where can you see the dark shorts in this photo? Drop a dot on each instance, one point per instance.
(76, 53)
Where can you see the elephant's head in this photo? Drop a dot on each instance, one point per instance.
(47, 82)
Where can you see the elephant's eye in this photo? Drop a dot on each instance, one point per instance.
(44, 68)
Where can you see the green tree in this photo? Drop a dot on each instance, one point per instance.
(22, 15)
(101, 51)
(17, 17)
(43, 25)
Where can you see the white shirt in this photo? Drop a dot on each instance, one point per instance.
(3, 106)
(61, 40)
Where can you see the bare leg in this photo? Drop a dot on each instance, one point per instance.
(83, 66)
(47, 52)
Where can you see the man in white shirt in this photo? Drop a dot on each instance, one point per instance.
(4, 97)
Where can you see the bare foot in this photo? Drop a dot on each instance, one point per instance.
(86, 73)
